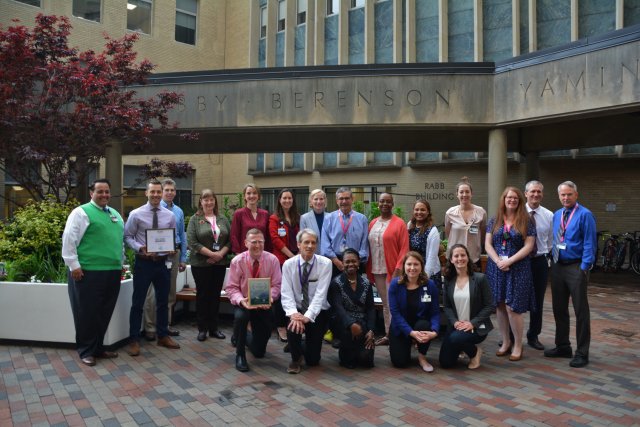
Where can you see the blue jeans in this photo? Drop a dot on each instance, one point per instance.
(146, 272)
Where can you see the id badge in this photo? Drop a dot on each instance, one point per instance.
(343, 247)
(504, 257)
(425, 297)
(168, 264)
(561, 246)
(282, 232)
(215, 247)
(473, 229)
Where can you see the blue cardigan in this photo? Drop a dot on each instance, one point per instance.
(426, 310)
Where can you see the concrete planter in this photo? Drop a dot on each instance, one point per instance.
(42, 312)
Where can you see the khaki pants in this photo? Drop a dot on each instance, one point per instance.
(150, 302)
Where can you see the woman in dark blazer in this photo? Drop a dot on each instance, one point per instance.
(468, 303)
(415, 313)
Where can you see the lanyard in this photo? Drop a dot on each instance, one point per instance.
(303, 277)
(345, 230)
(563, 226)
(213, 229)
(507, 229)
(250, 266)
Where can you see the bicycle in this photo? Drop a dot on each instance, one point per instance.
(620, 252)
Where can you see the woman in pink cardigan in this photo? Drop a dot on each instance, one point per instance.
(388, 243)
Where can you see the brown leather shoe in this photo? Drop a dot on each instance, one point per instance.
(89, 361)
(107, 355)
(168, 342)
(134, 349)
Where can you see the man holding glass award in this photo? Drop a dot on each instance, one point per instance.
(150, 232)
(253, 285)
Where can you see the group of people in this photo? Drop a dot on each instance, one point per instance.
(315, 267)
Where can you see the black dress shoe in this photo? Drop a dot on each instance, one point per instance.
(579, 361)
(202, 335)
(107, 355)
(89, 361)
(559, 352)
(173, 332)
(241, 363)
(217, 334)
(150, 336)
(535, 343)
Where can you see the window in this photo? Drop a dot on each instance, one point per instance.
(139, 16)
(263, 22)
(186, 15)
(87, 9)
(357, 3)
(302, 11)
(282, 14)
(37, 3)
(333, 7)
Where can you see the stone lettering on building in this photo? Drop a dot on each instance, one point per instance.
(435, 190)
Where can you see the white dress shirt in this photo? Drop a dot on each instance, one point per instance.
(319, 280)
(544, 229)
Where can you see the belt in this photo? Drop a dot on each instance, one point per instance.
(540, 256)
(569, 261)
(154, 258)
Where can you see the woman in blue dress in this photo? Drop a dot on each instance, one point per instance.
(510, 239)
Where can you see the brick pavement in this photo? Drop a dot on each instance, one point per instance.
(198, 385)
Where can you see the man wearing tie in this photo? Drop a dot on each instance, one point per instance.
(543, 220)
(253, 263)
(574, 250)
(149, 267)
(92, 249)
(305, 283)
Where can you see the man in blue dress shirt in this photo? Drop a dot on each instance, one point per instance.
(342, 229)
(574, 253)
(150, 267)
(178, 263)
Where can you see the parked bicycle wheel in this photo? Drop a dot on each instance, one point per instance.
(609, 254)
(635, 262)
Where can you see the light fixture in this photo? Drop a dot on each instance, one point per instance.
(131, 6)
(17, 188)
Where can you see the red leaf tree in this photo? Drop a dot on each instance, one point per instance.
(60, 107)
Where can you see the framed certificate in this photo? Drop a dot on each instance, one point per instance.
(161, 240)
(259, 292)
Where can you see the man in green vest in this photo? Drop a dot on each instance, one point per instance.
(92, 248)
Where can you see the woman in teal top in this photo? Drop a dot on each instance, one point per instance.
(209, 243)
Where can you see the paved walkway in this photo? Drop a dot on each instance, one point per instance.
(198, 384)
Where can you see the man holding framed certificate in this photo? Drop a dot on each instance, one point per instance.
(305, 282)
(150, 232)
(253, 285)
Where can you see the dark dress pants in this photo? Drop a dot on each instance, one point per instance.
(400, 345)
(208, 284)
(352, 352)
(455, 342)
(260, 330)
(314, 332)
(92, 302)
(540, 272)
(279, 317)
(570, 281)
(145, 272)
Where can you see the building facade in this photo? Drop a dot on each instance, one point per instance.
(266, 35)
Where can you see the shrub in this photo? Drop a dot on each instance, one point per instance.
(32, 240)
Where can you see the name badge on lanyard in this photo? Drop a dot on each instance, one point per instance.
(425, 295)
(473, 229)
